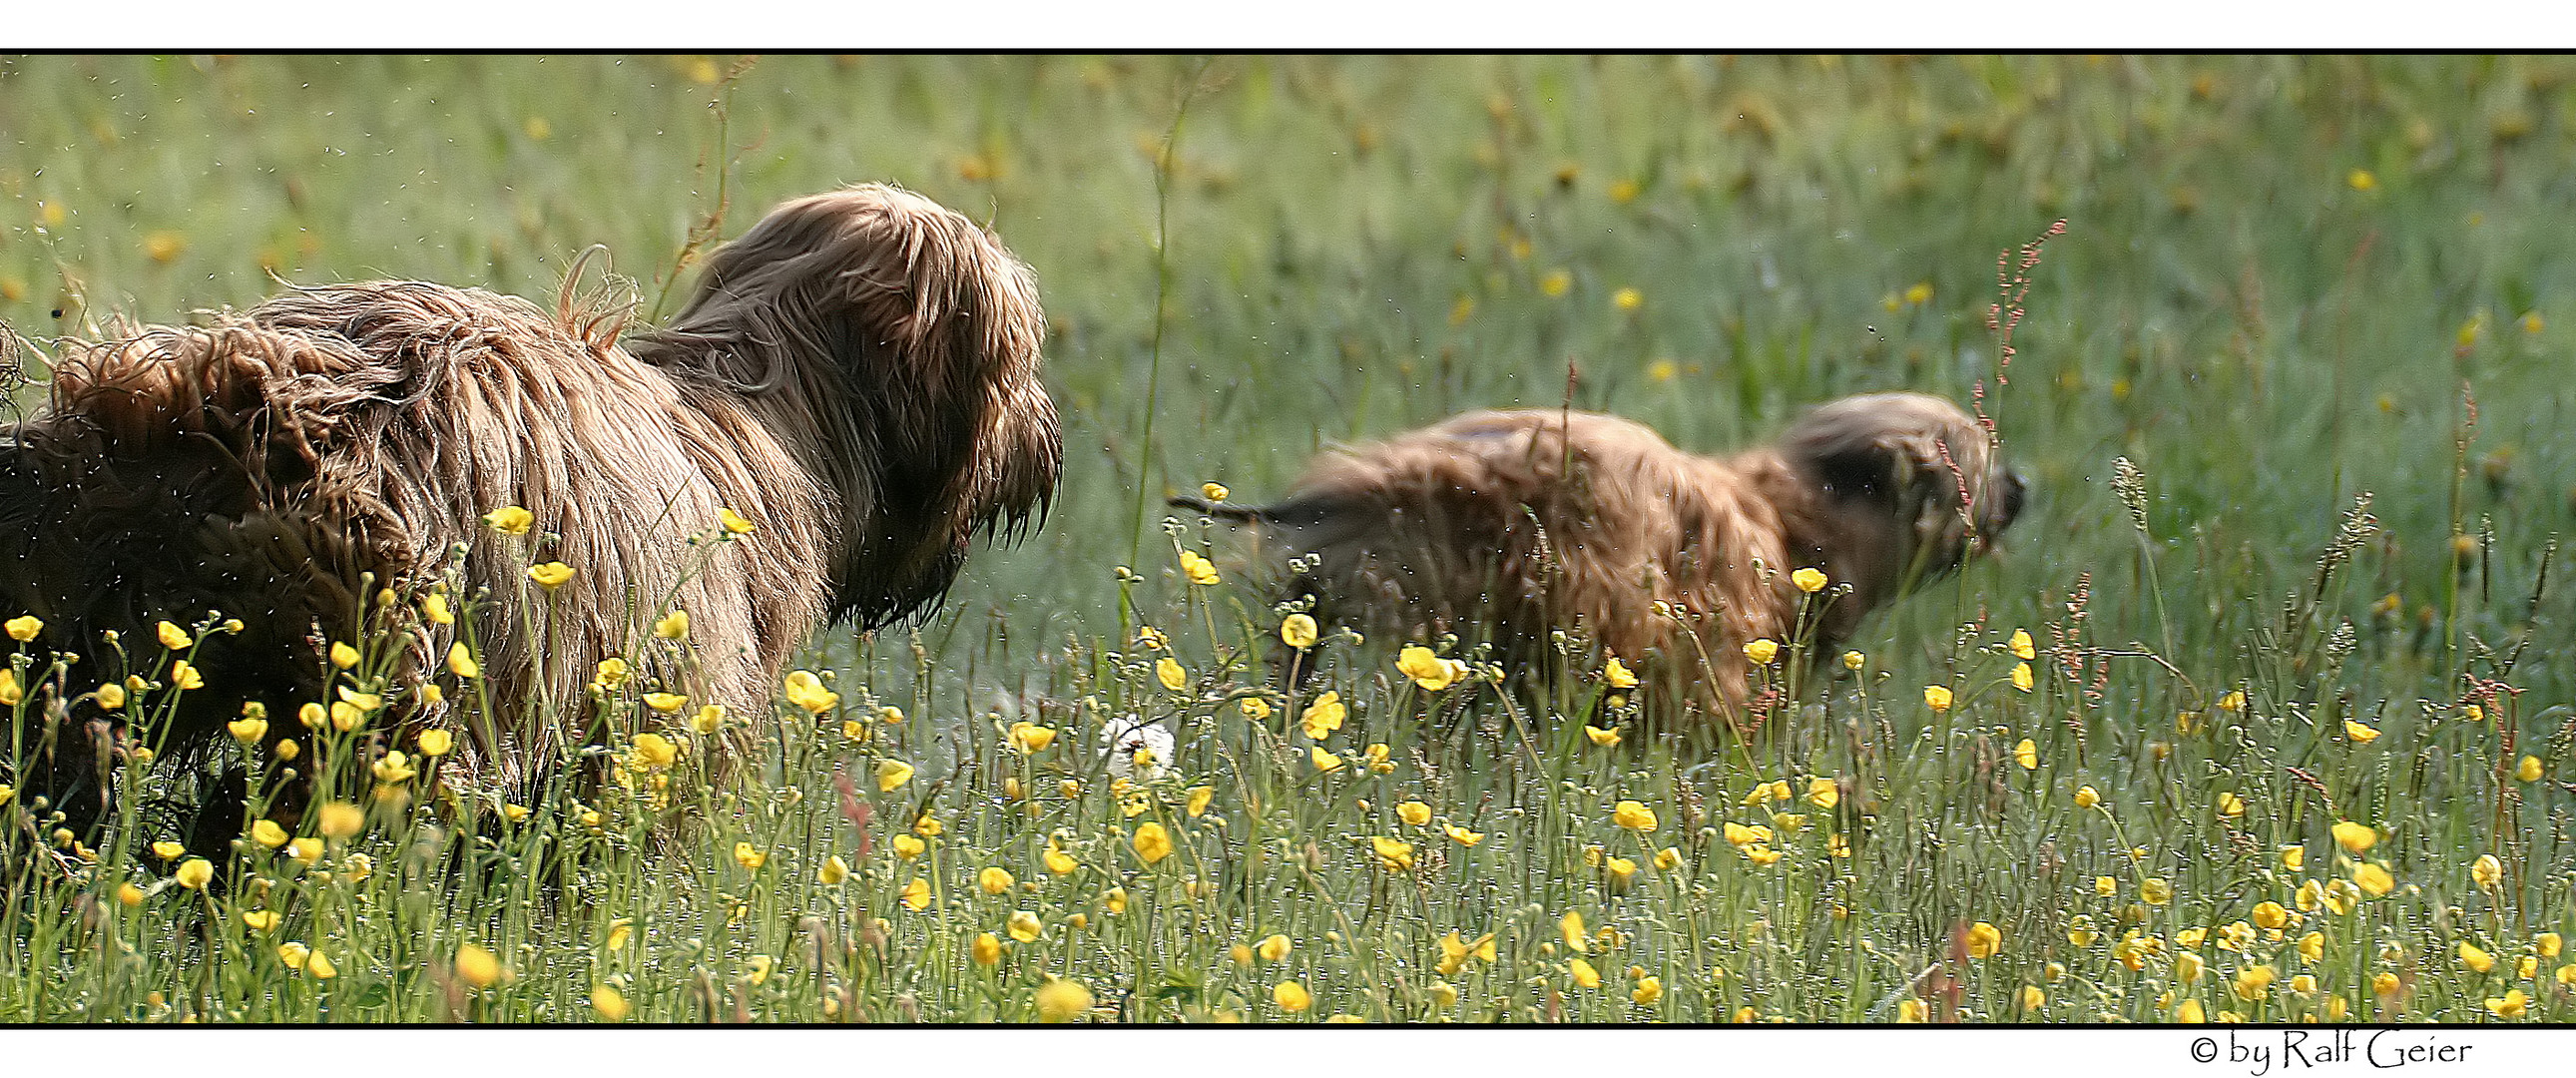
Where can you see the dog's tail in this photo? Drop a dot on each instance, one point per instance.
(893, 346)
(1242, 514)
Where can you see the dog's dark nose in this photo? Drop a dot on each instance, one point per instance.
(2016, 491)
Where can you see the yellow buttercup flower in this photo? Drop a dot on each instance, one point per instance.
(749, 856)
(434, 607)
(834, 870)
(2355, 838)
(908, 847)
(1584, 975)
(340, 820)
(1853, 660)
(609, 1003)
(460, 661)
(551, 575)
(1649, 989)
(1292, 997)
(110, 696)
(267, 833)
(2486, 871)
(2360, 734)
(2511, 1005)
(2372, 879)
(260, 920)
(2229, 804)
(1324, 715)
(1633, 815)
(804, 688)
(2155, 890)
(1414, 812)
(1824, 792)
(1601, 737)
(1617, 674)
(2080, 931)
(1196, 567)
(478, 967)
(1937, 697)
(1762, 651)
(1114, 900)
(2022, 678)
(1029, 737)
(1809, 580)
(1168, 671)
(994, 881)
(2475, 957)
(734, 523)
(1024, 926)
(2026, 754)
(1297, 631)
(1151, 842)
(987, 949)
(672, 626)
(436, 742)
(2253, 983)
(917, 894)
(892, 774)
(510, 520)
(2021, 646)
(2270, 915)
(1429, 670)
(2313, 946)
(1062, 1000)
(1462, 836)
(172, 636)
(24, 627)
(1393, 855)
(1200, 798)
(1983, 940)
(2529, 770)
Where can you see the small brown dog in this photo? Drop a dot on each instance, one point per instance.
(1506, 525)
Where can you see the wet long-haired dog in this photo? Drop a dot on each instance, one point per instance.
(1505, 526)
(855, 379)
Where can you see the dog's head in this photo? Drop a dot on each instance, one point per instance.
(1909, 487)
(896, 343)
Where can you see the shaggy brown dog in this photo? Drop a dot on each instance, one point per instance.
(1504, 526)
(857, 377)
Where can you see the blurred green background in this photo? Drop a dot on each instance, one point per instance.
(2278, 278)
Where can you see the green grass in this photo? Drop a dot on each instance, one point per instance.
(2282, 285)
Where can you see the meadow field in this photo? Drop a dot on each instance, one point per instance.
(2262, 712)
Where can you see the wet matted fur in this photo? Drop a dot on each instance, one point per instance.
(1506, 525)
(857, 375)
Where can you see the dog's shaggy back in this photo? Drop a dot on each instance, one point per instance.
(857, 375)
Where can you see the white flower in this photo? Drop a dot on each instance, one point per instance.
(1138, 749)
